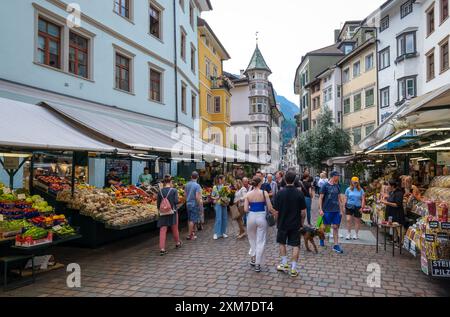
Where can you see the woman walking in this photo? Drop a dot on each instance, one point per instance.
(168, 218)
(220, 227)
(355, 201)
(256, 204)
(307, 191)
(239, 200)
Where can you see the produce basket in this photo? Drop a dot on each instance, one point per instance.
(29, 242)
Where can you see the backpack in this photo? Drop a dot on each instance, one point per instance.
(165, 208)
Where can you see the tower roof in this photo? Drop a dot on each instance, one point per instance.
(257, 62)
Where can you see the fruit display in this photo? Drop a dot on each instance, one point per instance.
(116, 208)
(53, 184)
(48, 222)
(63, 231)
(35, 233)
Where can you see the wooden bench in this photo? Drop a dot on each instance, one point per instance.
(19, 261)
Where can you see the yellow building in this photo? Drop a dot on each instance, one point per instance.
(215, 96)
(359, 87)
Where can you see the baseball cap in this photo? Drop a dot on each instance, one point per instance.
(335, 173)
(355, 179)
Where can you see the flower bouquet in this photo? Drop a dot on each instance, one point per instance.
(224, 196)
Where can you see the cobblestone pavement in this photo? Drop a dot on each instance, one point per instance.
(206, 268)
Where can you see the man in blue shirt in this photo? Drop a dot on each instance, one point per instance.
(331, 207)
(194, 202)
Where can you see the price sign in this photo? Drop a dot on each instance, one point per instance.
(11, 163)
(21, 197)
(1, 217)
(440, 268)
(442, 237)
(6, 190)
(57, 228)
(445, 225)
(434, 224)
(430, 238)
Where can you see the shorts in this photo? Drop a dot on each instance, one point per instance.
(332, 218)
(194, 214)
(353, 211)
(288, 237)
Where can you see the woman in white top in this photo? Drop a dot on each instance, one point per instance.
(239, 199)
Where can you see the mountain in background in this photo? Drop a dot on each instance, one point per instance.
(289, 110)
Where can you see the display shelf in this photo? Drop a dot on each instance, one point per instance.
(134, 225)
(29, 272)
(46, 245)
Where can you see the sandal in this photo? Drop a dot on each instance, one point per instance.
(179, 245)
(163, 253)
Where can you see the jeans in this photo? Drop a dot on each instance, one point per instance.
(308, 209)
(220, 227)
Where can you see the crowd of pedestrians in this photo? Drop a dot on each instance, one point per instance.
(282, 200)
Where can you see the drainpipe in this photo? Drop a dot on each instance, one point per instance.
(378, 80)
(175, 60)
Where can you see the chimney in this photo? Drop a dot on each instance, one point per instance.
(242, 73)
(336, 35)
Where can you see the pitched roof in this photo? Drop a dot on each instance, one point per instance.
(328, 50)
(257, 61)
(203, 23)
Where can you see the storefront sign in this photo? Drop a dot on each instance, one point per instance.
(434, 225)
(443, 158)
(445, 225)
(440, 268)
(430, 238)
(11, 163)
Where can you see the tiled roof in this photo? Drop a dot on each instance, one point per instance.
(257, 61)
(332, 49)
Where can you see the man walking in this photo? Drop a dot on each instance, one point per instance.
(194, 202)
(273, 186)
(331, 208)
(291, 207)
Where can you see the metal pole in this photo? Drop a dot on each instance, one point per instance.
(73, 173)
(30, 180)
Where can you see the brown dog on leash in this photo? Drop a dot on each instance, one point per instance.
(309, 234)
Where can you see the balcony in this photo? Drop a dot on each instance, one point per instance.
(221, 82)
(259, 93)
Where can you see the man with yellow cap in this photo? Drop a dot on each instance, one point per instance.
(355, 201)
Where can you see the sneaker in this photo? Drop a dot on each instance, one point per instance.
(191, 238)
(348, 237)
(258, 268)
(179, 245)
(322, 243)
(338, 249)
(225, 236)
(163, 253)
(216, 237)
(355, 237)
(293, 273)
(283, 268)
(253, 262)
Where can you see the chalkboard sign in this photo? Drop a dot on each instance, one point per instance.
(445, 225)
(434, 224)
(430, 238)
(440, 268)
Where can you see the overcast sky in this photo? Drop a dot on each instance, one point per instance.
(288, 29)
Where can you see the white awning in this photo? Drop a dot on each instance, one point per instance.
(141, 132)
(28, 126)
(431, 110)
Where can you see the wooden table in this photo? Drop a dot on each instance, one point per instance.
(393, 226)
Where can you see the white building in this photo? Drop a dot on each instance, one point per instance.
(255, 116)
(434, 62)
(290, 157)
(121, 57)
(412, 50)
(332, 92)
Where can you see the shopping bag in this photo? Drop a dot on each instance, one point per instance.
(321, 225)
(234, 210)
